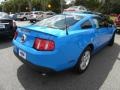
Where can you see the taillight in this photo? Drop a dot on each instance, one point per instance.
(15, 35)
(44, 45)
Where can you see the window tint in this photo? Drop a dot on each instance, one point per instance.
(40, 13)
(96, 23)
(86, 25)
(36, 13)
(100, 23)
(60, 21)
(49, 13)
(27, 14)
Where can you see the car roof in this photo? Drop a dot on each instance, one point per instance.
(49, 12)
(36, 11)
(81, 14)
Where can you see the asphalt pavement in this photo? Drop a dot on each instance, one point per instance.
(102, 74)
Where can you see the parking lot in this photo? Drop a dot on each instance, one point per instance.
(103, 72)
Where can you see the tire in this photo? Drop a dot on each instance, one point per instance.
(80, 68)
(118, 31)
(24, 19)
(111, 42)
(32, 21)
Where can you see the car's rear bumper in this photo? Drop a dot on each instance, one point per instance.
(54, 60)
(36, 67)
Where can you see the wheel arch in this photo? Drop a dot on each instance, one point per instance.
(91, 46)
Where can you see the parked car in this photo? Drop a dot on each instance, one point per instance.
(14, 17)
(117, 23)
(75, 9)
(63, 41)
(35, 15)
(7, 25)
(23, 16)
(48, 14)
(40, 15)
(11, 15)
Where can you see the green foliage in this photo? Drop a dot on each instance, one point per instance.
(29, 5)
(105, 6)
(90, 4)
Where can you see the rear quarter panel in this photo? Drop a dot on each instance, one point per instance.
(72, 45)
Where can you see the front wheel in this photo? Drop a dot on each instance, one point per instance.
(83, 61)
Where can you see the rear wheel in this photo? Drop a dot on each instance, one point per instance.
(24, 19)
(32, 21)
(83, 61)
(111, 42)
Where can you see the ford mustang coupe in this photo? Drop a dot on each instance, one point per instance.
(63, 41)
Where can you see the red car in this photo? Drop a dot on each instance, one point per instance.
(117, 22)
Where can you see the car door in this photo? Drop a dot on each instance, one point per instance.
(101, 32)
(111, 29)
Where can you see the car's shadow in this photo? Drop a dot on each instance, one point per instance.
(94, 77)
(5, 42)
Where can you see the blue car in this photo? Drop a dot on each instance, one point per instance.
(63, 41)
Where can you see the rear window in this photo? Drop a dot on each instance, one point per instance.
(60, 21)
(21, 13)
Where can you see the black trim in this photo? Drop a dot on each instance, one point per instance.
(35, 67)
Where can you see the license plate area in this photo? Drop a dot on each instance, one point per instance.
(22, 54)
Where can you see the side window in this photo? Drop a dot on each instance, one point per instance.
(100, 23)
(49, 13)
(96, 22)
(36, 13)
(27, 14)
(103, 23)
(86, 25)
(40, 13)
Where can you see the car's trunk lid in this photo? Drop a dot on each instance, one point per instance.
(32, 32)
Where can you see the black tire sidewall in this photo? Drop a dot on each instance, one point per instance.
(112, 40)
(24, 19)
(77, 67)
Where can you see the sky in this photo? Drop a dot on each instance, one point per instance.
(68, 1)
(1, 1)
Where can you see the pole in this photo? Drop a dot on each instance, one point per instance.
(61, 3)
(30, 5)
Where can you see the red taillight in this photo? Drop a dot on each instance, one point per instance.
(44, 45)
(15, 35)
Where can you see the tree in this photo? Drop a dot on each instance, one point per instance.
(90, 4)
(56, 5)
